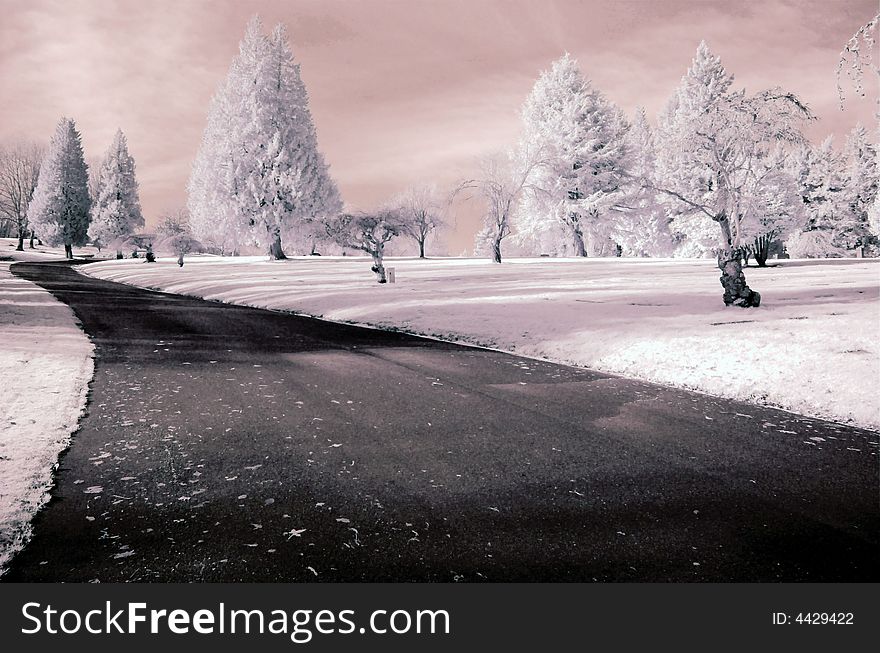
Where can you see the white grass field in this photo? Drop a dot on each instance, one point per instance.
(813, 347)
(46, 364)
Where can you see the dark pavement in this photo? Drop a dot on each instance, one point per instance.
(225, 443)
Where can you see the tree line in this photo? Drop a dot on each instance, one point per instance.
(721, 173)
(724, 173)
(46, 192)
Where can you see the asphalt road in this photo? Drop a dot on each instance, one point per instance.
(225, 443)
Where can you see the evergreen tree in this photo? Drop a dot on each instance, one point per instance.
(862, 177)
(211, 188)
(323, 205)
(116, 210)
(641, 226)
(772, 208)
(581, 135)
(874, 219)
(822, 189)
(258, 171)
(59, 210)
(701, 90)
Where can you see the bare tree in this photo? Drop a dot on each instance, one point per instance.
(19, 171)
(421, 210)
(174, 221)
(502, 181)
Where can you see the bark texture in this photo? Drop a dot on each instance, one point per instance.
(736, 290)
(579, 248)
(496, 250)
(379, 268)
(275, 250)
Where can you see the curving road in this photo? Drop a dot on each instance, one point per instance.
(225, 443)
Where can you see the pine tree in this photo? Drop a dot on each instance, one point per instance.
(324, 203)
(59, 210)
(213, 215)
(874, 219)
(702, 88)
(825, 207)
(116, 211)
(862, 177)
(640, 226)
(581, 135)
(772, 208)
(258, 171)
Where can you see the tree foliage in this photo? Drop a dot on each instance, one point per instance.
(640, 224)
(59, 210)
(715, 145)
(116, 209)
(368, 232)
(582, 137)
(258, 172)
(859, 54)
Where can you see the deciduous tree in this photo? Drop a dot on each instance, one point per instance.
(713, 145)
(19, 173)
(368, 232)
(422, 209)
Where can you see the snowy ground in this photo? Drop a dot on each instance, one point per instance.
(813, 347)
(46, 364)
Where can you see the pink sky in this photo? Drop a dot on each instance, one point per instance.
(402, 92)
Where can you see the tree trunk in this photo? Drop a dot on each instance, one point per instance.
(180, 260)
(275, 250)
(762, 250)
(68, 250)
(422, 248)
(736, 290)
(314, 248)
(496, 250)
(32, 239)
(378, 267)
(119, 254)
(20, 247)
(579, 248)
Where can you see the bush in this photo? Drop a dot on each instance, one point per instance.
(812, 244)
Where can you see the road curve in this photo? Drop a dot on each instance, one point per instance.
(225, 443)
